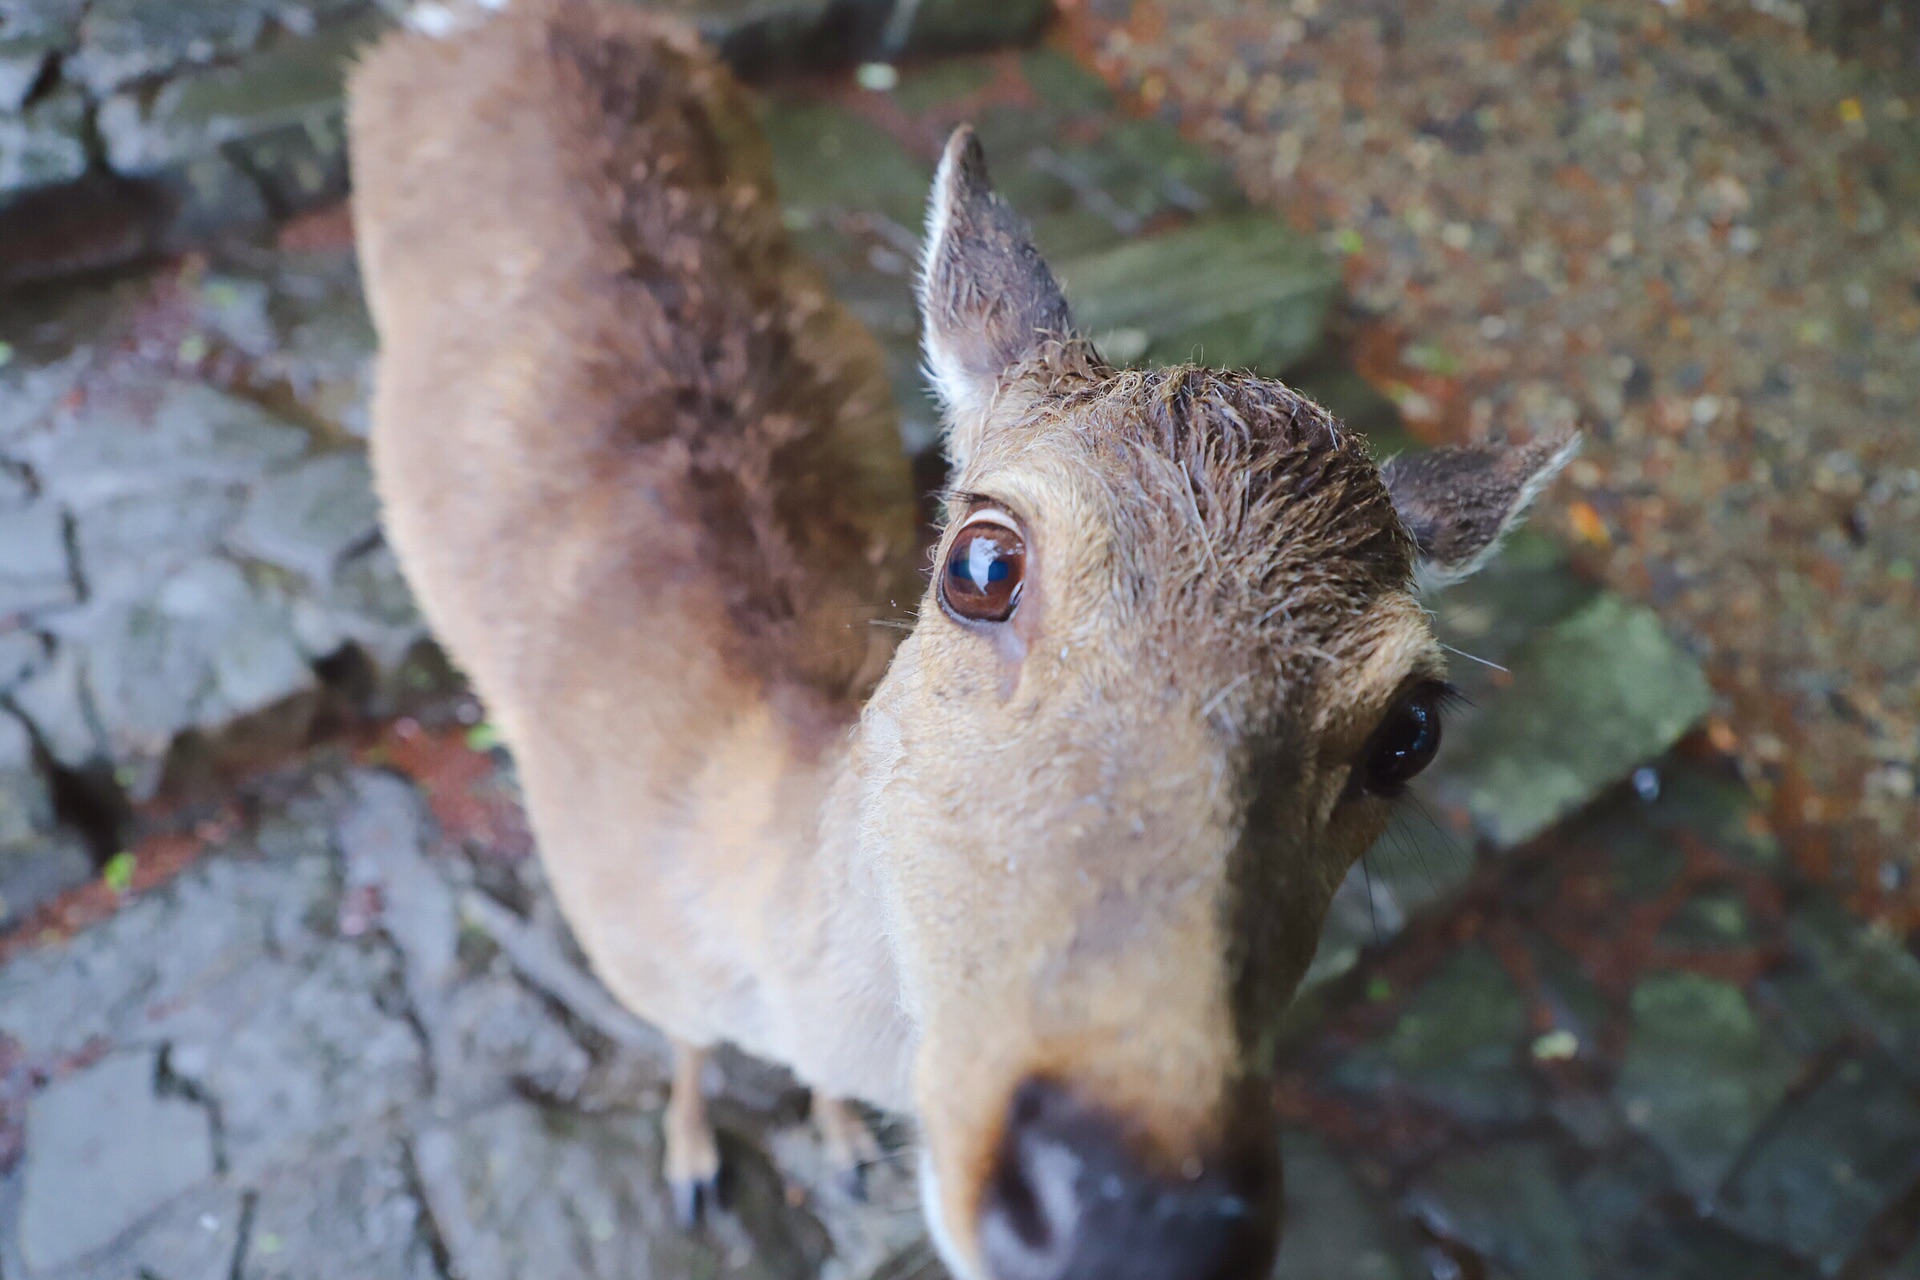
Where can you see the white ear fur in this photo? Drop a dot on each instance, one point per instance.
(957, 392)
(1431, 577)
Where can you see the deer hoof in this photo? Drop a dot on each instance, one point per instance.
(694, 1200)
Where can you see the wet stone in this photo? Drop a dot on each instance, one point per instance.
(1612, 1197)
(156, 437)
(1697, 1251)
(31, 32)
(201, 647)
(1712, 921)
(306, 1062)
(356, 1216)
(103, 1151)
(1412, 866)
(1238, 292)
(55, 702)
(519, 1190)
(1868, 977)
(182, 962)
(1457, 1044)
(21, 654)
(37, 860)
(1335, 1230)
(1839, 1156)
(1506, 1204)
(953, 26)
(828, 161)
(195, 1238)
(307, 517)
(323, 340)
(1701, 1074)
(44, 145)
(35, 573)
(367, 604)
(278, 113)
(127, 543)
(1610, 670)
(128, 40)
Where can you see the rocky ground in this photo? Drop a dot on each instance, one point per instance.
(283, 995)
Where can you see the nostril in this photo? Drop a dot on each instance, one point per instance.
(1068, 1200)
(1032, 1212)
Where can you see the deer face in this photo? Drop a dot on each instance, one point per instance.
(1167, 680)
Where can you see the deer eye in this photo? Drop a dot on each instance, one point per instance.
(985, 567)
(1405, 742)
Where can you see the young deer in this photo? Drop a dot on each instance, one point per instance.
(1040, 875)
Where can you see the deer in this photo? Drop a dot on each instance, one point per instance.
(1030, 841)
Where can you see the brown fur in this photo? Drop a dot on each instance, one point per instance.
(642, 473)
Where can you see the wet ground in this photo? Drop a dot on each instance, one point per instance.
(281, 992)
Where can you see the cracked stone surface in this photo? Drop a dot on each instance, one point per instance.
(104, 1151)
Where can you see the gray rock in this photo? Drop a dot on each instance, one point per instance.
(1837, 1158)
(38, 861)
(1700, 1075)
(218, 947)
(1334, 1229)
(1506, 1203)
(1458, 1045)
(128, 40)
(55, 701)
(277, 114)
(103, 1152)
(1241, 292)
(352, 1217)
(1701, 1251)
(829, 161)
(484, 1033)
(368, 604)
(36, 871)
(1415, 864)
(154, 438)
(127, 543)
(951, 26)
(44, 145)
(326, 341)
(196, 1238)
(525, 1192)
(1862, 976)
(200, 647)
(307, 517)
(21, 654)
(303, 1061)
(35, 573)
(34, 30)
(1602, 691)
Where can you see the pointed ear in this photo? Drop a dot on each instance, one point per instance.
(1460, 502)
(987, 300)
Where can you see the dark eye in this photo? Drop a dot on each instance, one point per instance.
(984, 569)
(1405, 742)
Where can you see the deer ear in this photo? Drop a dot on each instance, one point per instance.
(987, 300)
(1460, 502)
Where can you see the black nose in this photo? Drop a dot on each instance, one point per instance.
(1068, 1200)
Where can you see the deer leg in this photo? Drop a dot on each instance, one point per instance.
(693, 1156)
(851, 1146)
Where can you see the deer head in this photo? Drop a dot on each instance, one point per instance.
(1169, 676)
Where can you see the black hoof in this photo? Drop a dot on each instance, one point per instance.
(694, 1201)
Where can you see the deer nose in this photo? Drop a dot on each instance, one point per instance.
(1068, 1201)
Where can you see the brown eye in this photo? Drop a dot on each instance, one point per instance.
(1405, 742)
(984, 570)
